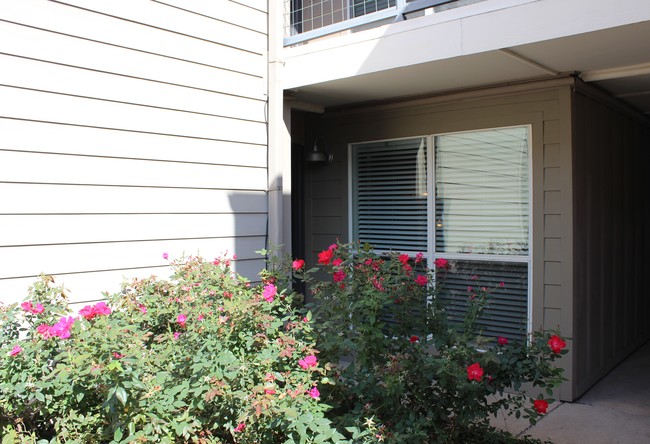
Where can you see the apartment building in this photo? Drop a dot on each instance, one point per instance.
(507, 136)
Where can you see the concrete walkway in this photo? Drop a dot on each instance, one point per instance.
(616, 410)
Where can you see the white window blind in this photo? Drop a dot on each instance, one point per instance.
(389, 194)
(482, 192)
(507, 309)
(480, 203)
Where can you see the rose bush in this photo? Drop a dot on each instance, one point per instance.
(204, 357)
(207, 357)
(404, 373)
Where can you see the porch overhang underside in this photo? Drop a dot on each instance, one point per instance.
(616, 59)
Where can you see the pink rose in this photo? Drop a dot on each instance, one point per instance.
(165, 256)
(177, 335)
(314, 393)
(99, 309)
(181, 319)
(27, 306)
(338, 261)
(62, 328)
(474, 372)
(308, 362)
(16, 350)
(44, 330)
(269, 292)
(240, 427)
(87, 312)
(38, 308)
(419, 257)
(102, 309)
(298, 264)
(269, 391)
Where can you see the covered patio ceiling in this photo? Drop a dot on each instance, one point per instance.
(616, 60)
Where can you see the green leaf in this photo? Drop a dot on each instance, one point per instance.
(291, 413)
(121, 395)
(117, 436)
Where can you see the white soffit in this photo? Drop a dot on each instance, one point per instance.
(442, 52)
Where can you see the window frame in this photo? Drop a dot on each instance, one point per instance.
(431, 254)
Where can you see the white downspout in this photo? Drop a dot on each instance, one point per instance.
(279, 137)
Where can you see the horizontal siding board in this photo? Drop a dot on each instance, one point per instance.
(260, 5)
(19, 103)
(80, 288)
(21, 135)
(56, 168)
(65, 229)
(84, 24)
(129, 129)
(83, 288)
(226, 10)
(44, 76)
(180, 21)
(76, 199)
(16, 262)
(57, 48)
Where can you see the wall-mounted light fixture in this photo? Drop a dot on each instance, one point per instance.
(318, 156)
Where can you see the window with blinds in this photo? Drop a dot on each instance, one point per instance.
(482, 192)
(480, 220)
(389, 194)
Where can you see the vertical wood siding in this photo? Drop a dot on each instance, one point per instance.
(611, 237)
(129, 129)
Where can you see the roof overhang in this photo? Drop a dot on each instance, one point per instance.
(491, 42)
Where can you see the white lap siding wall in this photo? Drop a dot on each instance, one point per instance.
(129, 129)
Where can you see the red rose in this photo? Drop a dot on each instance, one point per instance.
(474, 372)
(441, 263)
(325, 256)
(339, 276)
(556, 343)
(421, 280)
(502, 341)
(414, 339)
(404, 258)
(298, 264)
(541, 406)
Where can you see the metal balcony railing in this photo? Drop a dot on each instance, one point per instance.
(309, 19)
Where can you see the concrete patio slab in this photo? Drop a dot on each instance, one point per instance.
(616, 410)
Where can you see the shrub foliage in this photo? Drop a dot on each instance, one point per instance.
(207, 357)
